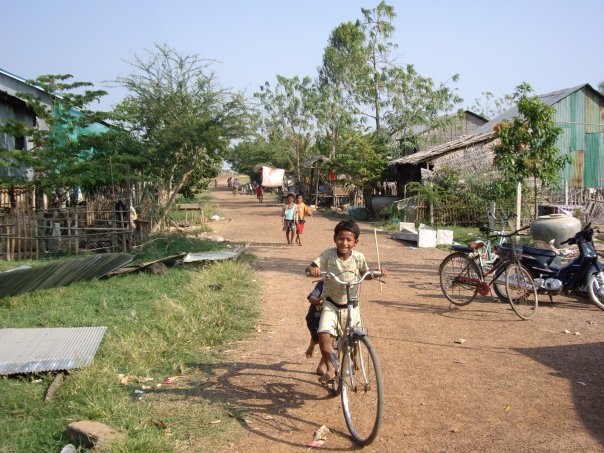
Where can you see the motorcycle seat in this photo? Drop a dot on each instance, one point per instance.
(538, 252)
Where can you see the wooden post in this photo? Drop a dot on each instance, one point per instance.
(519, 205)
(19, 225)
(76, 231)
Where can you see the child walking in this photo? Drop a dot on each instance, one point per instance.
(348, 264)
(289, 218)
(303, 211)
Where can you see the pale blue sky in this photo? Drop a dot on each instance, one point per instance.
(492, 45)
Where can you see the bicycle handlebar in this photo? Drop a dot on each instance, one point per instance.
(351, 283)
(501, 235)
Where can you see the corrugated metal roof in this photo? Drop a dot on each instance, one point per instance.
(438, 150)
(483, 133)
(548, 98)
(46, 349)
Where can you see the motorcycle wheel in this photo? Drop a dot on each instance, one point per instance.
(595, 288)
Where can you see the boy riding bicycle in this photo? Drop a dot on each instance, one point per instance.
(348, 265)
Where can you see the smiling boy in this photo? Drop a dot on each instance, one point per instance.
(348, 265)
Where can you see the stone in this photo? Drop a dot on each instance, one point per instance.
(156, 269)
(89, 433)
(69, 448)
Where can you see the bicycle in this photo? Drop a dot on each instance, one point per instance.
(358, 372)
(462, 278)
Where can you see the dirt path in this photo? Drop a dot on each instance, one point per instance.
(513, 386)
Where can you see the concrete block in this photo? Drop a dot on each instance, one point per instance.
(444, 237)
(426, 238)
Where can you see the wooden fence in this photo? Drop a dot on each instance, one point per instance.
(27, 233)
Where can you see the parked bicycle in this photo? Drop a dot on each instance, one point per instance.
(463, 276)
(358, 371)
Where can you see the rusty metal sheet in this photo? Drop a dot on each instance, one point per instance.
(62, 273)
(46, 349)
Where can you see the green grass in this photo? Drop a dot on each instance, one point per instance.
(157, 326)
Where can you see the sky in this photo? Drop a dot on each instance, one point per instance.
(493, 46)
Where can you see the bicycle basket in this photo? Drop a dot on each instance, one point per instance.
(510, 251)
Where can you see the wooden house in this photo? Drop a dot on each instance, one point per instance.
(579, 112)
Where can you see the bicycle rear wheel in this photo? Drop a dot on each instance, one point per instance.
(521, 291)
(362, 391)
(459, 278)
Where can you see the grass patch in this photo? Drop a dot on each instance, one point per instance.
(157, 326)
(463, 235)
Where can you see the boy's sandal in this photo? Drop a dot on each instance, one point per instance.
(327, 381)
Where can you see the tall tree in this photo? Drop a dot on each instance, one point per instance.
(184, 120)
(527, 145)
(489, 107)
(287, 113)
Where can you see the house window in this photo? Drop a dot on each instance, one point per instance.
(20, 143)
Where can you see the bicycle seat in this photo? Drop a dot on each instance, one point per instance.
(461, 248)
(475, 245)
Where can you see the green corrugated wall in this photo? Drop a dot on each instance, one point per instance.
(581, 117)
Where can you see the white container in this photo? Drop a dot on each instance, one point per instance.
(559, 227)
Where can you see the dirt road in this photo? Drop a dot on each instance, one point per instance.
(512, 386)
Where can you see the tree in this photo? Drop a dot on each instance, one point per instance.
(601, 87)
(489, 107)
(361, 161)
(527, 145)
(64, 153)
(287, 116)
(183, 120)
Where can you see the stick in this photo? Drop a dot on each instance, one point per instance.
(377, 250)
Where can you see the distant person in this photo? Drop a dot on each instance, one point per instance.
(303, 211)
(235, 186)
(215, 184)
(289, 218)
(259, 193)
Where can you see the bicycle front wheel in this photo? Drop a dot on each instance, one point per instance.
(521, 291)
(459, 278)
(362, 391)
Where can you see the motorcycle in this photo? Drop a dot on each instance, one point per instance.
(584, 273)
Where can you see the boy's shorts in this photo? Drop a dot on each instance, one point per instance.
(300, 227)
(289, 225)
(330, 316)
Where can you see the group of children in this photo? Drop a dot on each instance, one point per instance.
(293, 218)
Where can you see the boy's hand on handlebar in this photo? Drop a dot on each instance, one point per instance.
(379, 274)
(313, 271)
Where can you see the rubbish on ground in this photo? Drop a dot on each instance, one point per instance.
(129, 379)
(47, 349)
(460, 341)
(215, 217)
(216, 287)
(62, 273)
(215, 422)
(138, 392)
(566, 331)
(215, 256)
(319, 438)
(170, 380)
(321, 433)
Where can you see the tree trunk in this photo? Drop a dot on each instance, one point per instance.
(535, 197)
